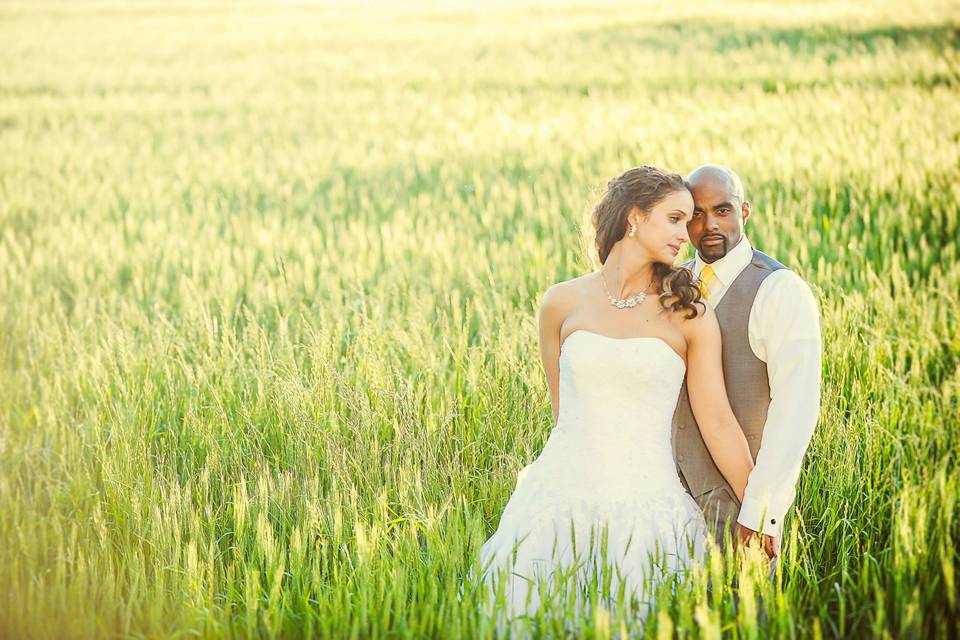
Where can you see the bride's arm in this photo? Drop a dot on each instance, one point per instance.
(708, 399)
(551, 316)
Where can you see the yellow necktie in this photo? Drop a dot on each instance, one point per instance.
(707, 276)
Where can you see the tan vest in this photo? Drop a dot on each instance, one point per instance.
(748, 389)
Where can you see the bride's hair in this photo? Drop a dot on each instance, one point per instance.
(644, 187)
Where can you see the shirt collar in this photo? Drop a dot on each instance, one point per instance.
(729, 266)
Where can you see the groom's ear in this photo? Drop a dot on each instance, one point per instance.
(745, 210)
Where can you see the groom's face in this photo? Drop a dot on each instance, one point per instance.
(717, 222)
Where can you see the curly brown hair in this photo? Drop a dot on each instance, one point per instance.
(644, 187)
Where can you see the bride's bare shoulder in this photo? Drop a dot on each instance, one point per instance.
(703, 323)
(563, 296)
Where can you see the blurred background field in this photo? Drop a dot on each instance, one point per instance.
(269, 273)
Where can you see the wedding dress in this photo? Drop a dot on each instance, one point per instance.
(605, 488)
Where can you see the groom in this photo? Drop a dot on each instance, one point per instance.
(771, 366)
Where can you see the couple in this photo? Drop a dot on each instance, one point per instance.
(667, 439)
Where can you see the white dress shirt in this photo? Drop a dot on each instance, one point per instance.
(784, 332)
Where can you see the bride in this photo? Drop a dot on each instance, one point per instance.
(604, 494)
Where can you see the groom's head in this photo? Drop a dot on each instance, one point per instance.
(720, 208)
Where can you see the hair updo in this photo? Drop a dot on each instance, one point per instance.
(644, 187)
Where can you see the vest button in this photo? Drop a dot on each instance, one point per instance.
(683, 426)
(680, 458)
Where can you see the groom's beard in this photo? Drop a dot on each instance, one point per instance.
(713, 251)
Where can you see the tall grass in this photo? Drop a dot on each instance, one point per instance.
(268, 358)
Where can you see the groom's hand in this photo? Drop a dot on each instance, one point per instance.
(748, 537)
(771, 544)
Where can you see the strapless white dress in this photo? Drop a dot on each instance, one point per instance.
(607, 468)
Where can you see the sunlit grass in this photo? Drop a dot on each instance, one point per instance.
(268, 358)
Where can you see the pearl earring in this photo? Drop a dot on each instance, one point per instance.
(633, 229)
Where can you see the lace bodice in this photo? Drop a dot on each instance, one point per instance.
(604, 380)
(617, 398)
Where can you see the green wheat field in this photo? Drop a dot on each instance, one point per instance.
(269, 276)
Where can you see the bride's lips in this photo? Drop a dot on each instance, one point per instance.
(674, 248)
(712, 241)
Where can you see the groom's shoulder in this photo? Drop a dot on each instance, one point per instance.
(784, 280)
(765, 262)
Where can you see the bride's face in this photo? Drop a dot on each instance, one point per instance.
(663, 231)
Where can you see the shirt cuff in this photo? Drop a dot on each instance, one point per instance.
(759, 516)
